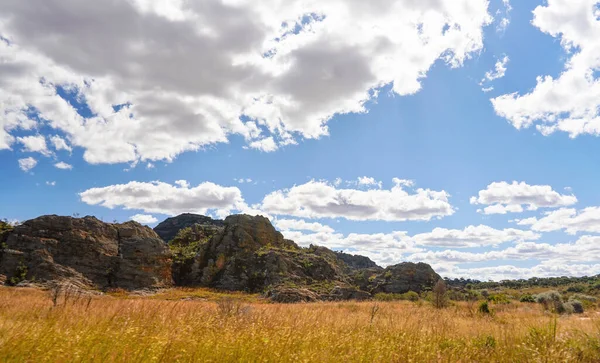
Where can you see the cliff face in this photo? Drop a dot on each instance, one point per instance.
(86, 252)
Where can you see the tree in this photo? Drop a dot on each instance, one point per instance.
(440, 298)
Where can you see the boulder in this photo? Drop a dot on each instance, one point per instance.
(87, 252)
(168, 229)
(397, 279)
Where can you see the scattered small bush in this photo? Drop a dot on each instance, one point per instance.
(19, 275)
(576, 288)
(552, 301)
(484, 308)
(499, 299)
(440, 297)
(527, 298)
(574, 306)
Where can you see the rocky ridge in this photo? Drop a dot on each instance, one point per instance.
(241, 253)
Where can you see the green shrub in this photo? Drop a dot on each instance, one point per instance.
(411, 296)
(484, 308)
(499, 299)
(574, 306)
(527, 298)
(576, 288)
(19, 275)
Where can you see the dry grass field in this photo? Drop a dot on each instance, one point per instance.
(184, 325)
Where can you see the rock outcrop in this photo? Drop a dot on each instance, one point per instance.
(356, 262)
(397, 279)
(241, 253)
(85, 252)
(250, 255)
(168, 229)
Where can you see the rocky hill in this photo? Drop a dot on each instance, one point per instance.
(241, 253)
(85, 252)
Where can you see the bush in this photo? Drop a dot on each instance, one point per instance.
(440, 296)
(19, 275)
(583, 297)
(574, 306)
(499, 299)
(576, 288)
(527, 298)
(484, 308)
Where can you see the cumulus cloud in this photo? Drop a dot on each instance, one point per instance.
(561, 259)
(147, 81)
(568, 219)
(64, 166)
(504, 272)
(34, 144)
(51, 183)
(383, 248)
(144, 218)
(60, 144)
(319, 199)
(571, 102)
(369, 181)
(472, 236)
(164, 198)
(301, 225)
(502, 197)
(27, 164)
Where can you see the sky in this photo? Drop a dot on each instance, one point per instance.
(460, 133)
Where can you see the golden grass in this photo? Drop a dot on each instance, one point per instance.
(153, 329)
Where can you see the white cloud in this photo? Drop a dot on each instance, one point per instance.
(60, 143)
(502, 197)
(504, 272)
(27, 164)
(319, 199)
(505, 20)
(150, 166)
(34, 144)
(472, 236)
(301, 225)
(499, 70)
(568, 219)
(64, 166)
(369, 181)
(162, 78)
(183, 183)
(571, 102)
(242, 180)
(51, 183)
(383, 248)
(144, 218)
(585, 249)
(267, 144)
(164, 198)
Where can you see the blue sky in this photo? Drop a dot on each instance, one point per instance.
(462, 135)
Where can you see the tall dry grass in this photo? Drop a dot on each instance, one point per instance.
(151, 330)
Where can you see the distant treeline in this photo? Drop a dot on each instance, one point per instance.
(591, 282)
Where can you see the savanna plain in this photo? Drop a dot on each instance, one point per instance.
(188, 325)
